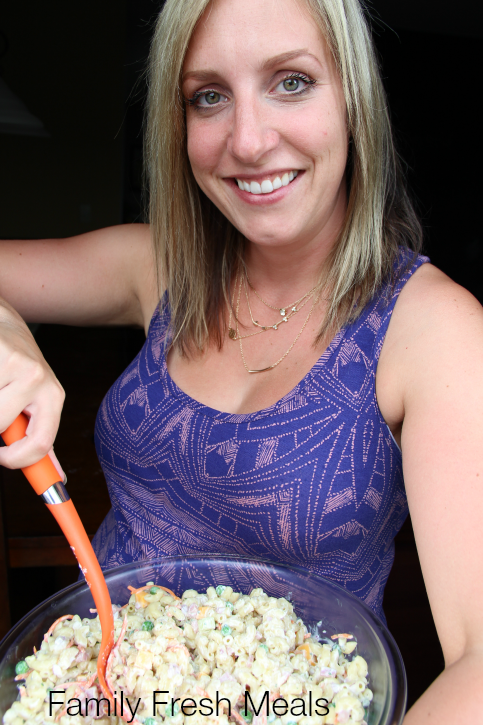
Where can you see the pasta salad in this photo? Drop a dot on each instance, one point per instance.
(218, 657)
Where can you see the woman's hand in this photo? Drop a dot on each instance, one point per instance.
(27, 384)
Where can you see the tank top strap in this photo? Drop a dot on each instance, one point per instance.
(406, 265)
(351, 358)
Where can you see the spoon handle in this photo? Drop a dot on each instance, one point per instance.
(45, 480)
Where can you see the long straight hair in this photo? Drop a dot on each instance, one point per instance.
(198, 251)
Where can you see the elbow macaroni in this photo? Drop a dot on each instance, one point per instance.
(214, 646)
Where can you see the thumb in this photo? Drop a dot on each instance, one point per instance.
(57, 465)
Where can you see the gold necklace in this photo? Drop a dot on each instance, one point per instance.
(239, 338)
(284, 319)
(270, 367)
(233, 334)
(282, 310)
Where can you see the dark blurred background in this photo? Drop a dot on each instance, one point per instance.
(79, 72)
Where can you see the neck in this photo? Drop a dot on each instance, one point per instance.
(282, 271)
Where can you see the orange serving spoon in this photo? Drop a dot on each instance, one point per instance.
(44, 479)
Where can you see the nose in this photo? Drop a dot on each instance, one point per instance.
(252, 135)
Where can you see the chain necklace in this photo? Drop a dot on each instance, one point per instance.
(287, 317)
(235, 334)
(282, 310)
(270, 367)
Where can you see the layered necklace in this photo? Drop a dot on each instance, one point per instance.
(286, 313)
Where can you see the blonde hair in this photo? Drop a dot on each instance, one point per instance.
(198, 251)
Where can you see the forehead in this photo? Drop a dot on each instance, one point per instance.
(253, 30)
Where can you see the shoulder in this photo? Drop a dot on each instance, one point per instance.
(435, 325)
(132, 247)
(432, 309)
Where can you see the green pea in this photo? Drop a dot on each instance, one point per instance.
(150, 721)
(21, 667)
(171, 711)
(229, 605)
(147, 626)
(153, 590)
(225, 630)
(220, 589)
(246, 715)
(291, 722)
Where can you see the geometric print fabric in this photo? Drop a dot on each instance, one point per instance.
(314, 480)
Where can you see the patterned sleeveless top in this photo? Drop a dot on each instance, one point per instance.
(314, 480)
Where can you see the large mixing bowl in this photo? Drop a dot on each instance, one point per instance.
(325, 608)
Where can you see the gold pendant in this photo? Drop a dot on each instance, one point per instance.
(263, 370)
(231, 333)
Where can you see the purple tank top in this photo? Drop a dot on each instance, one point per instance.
(314, 480)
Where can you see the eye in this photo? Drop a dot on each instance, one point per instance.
(295, 84)
(205, 99)
(211, 98)
(291, 84)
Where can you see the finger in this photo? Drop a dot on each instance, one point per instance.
(57, 465)
(37, 443)
(22, 453)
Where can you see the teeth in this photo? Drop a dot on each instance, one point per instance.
(267, 186)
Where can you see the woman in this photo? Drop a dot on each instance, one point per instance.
(300, 341)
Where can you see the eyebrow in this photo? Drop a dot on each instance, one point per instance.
(284, 57)
(203, 75)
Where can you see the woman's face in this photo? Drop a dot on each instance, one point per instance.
(265, 102)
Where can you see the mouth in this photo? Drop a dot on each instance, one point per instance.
(268, 185)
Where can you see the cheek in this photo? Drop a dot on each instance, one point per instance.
(202, 147)
(318, 135)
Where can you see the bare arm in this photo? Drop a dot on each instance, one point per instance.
(101, 278)
(433, 370)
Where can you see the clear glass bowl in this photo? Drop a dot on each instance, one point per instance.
(322, 605)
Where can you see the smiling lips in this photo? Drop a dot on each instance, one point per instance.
(267, 186)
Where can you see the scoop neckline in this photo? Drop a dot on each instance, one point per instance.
(203, 409)
(206, 410)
